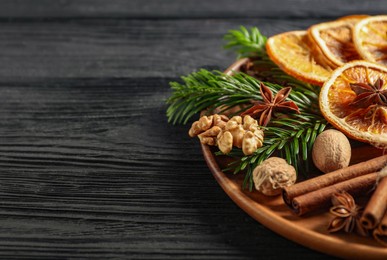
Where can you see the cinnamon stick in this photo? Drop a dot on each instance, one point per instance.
(350, 172)
(322, 197)
(380, 233)
(376, 207)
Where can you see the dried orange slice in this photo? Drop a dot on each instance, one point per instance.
(370, 38)
(354, 16)
(354, 100)
(291, 52)
(334, 41)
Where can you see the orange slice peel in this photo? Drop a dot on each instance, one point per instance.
(362, 120)
(292, 53)
(333, 40)
(370, 38)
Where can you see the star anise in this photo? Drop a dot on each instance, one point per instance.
(347, 214)
(270, 103)
(369, 94)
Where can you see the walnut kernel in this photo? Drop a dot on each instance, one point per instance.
(249, 123)
(209, 136)
(225, 142)
(234, 126)
(206, 122)
(200, 126)
(251, 142)
(219, 130)
(220, 120)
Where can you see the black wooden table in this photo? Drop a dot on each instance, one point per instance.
(89, 166)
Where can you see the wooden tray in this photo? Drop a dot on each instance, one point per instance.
(309, 230)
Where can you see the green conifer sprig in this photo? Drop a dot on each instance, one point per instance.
(208, 90)
(246, 43)
(290, 137)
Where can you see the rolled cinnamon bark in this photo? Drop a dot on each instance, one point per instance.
(322, 197)
(334, 177)
(380, 233)
(376, 207)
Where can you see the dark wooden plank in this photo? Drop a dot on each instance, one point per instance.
(90, 168)
(188, 8)
(122, 48)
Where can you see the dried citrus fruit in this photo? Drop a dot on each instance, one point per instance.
(354, 100)
(353, 16)
(370, 38)
(292, 53)
(333, 40)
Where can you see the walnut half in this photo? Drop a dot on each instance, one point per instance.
(207, 128)
(225, 141)
(246, 134)
(225, 133)
(209, 136)
(253, 138)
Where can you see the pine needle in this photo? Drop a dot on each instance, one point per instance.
(246, 43)
(208, 90)
(289, 136)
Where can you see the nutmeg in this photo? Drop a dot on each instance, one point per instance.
(331, 151)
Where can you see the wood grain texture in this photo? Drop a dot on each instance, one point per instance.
(176, 9)
(89, 166)
(106, 48)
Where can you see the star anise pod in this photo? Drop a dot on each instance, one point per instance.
(270, 103)
(347, 214)
(369, 94)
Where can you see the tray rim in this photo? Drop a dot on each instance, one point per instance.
(312, 239)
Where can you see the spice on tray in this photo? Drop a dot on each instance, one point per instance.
(347, 214)
(380, 233)
(320, 198)
(348, 173)
(270, 103)
(331, 151)
(377, 205)
(352, 99)
(272, 175)
(369, 94)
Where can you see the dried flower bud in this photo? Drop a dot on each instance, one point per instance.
(347, 214)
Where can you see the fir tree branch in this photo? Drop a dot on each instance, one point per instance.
(291, 138)
(251, 43)
(247, 43)
(208, 90)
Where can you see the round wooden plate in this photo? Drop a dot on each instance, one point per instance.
(309, 230)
